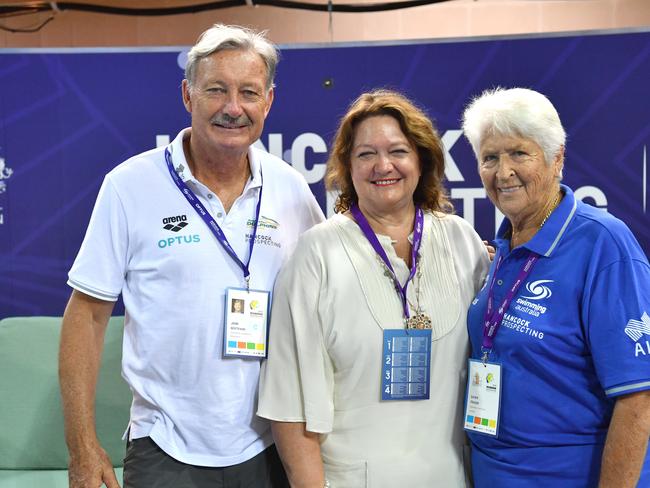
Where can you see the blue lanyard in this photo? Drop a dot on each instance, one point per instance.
(211, 223)
(363, 223)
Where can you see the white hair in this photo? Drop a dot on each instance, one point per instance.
(220, 37)
(514, 112)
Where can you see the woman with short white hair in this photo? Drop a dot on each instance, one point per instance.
(557, 395)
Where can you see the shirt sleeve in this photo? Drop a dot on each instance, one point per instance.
(296, 381)
(100, 267)
(618, 325)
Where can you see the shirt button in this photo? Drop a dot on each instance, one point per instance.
(499, 282)
(219, 215)
(210, 196)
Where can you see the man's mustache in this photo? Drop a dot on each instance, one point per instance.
(226, 120)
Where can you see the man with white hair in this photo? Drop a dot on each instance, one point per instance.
(183, 232)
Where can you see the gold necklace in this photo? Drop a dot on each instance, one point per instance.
(556, 202)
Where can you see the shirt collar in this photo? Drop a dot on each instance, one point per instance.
(255, 167)
(185, 173)
(178, 156)
(547, 238)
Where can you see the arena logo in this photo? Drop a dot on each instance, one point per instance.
(175, 223)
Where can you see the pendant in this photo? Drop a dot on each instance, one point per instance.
(419, 321)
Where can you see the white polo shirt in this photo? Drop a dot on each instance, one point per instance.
(145, 241)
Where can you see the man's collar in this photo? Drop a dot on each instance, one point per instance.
(185, 173)
(178, 156)
(547, 238)
(255, 167)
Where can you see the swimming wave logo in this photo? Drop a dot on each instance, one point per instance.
(636, 328)
(538, 290)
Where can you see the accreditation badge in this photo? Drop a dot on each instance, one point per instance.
(406, 364)
(246, 323)
(483, 400)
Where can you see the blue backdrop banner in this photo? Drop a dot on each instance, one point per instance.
(68, 117)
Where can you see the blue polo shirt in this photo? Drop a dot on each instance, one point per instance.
(575, 337)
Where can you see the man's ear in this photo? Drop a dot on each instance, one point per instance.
(269, 101)
(185, 92)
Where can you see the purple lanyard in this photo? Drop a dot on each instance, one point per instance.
(493, 318)
(211, 223)
(362, 222)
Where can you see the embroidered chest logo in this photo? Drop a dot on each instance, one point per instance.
(538, 290)
(529, 308)
(529, 304)
(175, 223)
(264, 223)
(635, 330)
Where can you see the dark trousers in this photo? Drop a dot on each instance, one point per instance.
(148, 466)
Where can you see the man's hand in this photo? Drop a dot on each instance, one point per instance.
(82, 339)
(91, 469)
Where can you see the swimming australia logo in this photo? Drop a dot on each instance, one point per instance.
(538, 290)
(175, 223)
(635, 329)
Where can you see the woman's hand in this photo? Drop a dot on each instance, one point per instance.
(491, 250)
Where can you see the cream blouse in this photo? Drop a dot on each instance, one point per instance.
(330, 304)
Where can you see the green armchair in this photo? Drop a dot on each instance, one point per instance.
(32, 446)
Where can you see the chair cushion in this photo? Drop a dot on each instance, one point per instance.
(31, 420)
(45, 478)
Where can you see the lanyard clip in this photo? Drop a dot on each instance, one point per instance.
(247, 279)
(485, 356)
